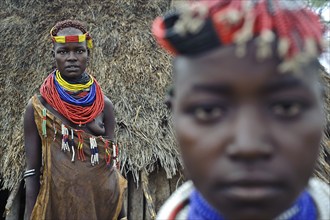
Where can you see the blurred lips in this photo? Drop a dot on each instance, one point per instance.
(250, 189)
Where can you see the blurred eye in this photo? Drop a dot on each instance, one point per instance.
(287, 110)
(208, 114)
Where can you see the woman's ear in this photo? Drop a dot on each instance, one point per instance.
(88, 55)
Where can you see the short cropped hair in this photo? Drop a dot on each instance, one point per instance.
(68, 24)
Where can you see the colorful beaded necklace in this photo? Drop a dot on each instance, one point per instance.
(303, 208)
(78, 110)
(87, 100)
(74, 87)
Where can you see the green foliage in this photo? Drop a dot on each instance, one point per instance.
(318, 3)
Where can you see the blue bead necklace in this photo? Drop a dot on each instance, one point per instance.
(304, 208)
(87, 100)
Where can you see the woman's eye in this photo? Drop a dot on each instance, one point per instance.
(61, 52)
(80, 51)
(287, 110)
(208, 114)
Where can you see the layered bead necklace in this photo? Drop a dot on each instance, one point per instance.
(303, 208)
(81, 109)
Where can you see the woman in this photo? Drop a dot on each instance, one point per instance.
(247, 110)
(69, 138)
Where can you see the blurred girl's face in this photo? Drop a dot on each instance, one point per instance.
(249, 135)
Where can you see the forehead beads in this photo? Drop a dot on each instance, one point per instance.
(73, 39)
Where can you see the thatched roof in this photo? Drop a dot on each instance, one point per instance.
(323, 165)
(131, 69)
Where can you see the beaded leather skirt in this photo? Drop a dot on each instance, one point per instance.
(79, 175)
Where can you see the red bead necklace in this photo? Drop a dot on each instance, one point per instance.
(77, 114)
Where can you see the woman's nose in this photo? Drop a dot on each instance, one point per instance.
(72, 56)
(249, 138)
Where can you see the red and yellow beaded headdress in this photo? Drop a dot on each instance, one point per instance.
(203, 25)
(73, 39)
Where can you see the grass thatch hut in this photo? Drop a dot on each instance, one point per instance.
(132, 71)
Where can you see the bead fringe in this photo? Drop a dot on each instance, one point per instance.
(44, 122)
(65, 138)
(68, 142)
(94, 151)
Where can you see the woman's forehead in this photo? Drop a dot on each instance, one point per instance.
(221, 67)
(223, 59)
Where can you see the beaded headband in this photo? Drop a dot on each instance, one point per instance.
(203, 25)
(73, 39)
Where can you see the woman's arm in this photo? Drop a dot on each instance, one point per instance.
(32, 145)
(109, 124)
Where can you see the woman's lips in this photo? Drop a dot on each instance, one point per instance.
(72, 68)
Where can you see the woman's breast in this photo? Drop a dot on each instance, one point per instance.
(96, 127)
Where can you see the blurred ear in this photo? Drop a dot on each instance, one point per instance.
(169, 98)
(168, 102)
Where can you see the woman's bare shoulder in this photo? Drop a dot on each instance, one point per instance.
(108, 105)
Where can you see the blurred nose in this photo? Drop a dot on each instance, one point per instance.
(249, 136)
